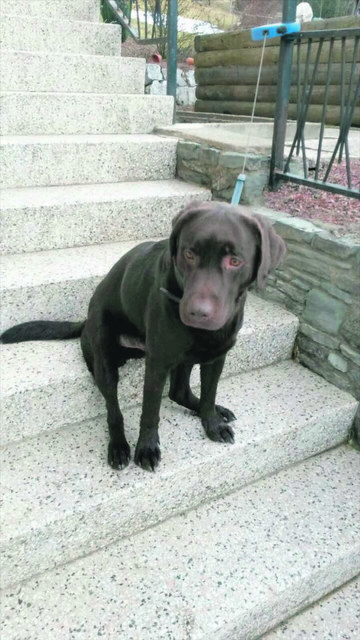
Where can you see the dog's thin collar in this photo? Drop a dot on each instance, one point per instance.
(169, 295)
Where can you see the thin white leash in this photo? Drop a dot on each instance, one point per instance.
(254, 103)
(240, 181)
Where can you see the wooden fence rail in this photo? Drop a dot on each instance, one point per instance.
(227, 66)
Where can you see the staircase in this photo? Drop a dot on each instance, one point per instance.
(222, 541)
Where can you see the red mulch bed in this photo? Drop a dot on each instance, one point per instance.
(321, 206)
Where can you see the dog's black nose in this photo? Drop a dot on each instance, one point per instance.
(203, 310)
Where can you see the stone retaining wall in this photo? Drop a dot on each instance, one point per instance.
(155, 83)
(319, 281)
(218, 170)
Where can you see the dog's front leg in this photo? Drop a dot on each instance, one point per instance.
(147, 452)
(214, 417)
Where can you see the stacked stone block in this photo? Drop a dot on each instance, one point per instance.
(218, 170)
(156, 81)
(320, 282)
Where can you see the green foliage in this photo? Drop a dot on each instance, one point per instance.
(332, 8)
(108, 16)
(215, 11)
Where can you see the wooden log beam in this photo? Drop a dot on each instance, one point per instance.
(267, 93)
(233, 40)
(242, 38)
(267, 110)
(234, 75)
(251, 57)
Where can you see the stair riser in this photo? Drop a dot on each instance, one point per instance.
(28, 71)
(67, 162)
(58, 542)
(54, 36)
(47, 114)
(31, 228)
(59, 403)
(333, 614)
(87, 10)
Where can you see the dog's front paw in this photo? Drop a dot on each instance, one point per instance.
(225, 414)
(217, 430)
(148, 454)
(118, 454)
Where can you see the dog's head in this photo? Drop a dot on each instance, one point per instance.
(218, 250)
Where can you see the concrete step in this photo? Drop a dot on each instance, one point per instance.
(232, 568)
(24, 71)
(24, 113)
(88, 10)
(45, 218)
(33, 161)
(336, 616)
(45, 385)
(58, 36)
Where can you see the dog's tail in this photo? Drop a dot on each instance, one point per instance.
(42, 330)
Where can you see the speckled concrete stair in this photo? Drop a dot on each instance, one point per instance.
(335, 616)
(46, 385)
(231, 569)
(45, 218)
(61, 500)
(54, 116)
(58, 284)
(85, 159)
(83, 180)
(57, 35)
(24, 71)
(68, 113)
(88, 10)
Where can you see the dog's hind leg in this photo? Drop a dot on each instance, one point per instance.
(100, 354)
(180, 390)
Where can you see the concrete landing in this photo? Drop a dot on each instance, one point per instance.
(257, 136)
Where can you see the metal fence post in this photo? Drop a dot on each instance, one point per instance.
(283, 93)
(171, 58)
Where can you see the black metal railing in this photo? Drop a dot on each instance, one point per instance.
(320, 50)
(145, 26)
(161, 29)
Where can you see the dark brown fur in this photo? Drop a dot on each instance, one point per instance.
(180, 300)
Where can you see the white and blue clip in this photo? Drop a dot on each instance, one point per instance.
(275, 30)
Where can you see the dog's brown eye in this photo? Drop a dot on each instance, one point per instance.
(189, 255)
(232, 262)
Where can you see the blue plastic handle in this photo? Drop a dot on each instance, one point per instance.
(240, 181)
(274, 30)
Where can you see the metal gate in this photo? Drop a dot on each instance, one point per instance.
(319, 45)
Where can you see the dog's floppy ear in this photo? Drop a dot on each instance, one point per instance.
(273, 249)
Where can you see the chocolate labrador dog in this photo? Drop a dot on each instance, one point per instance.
(180, 302)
